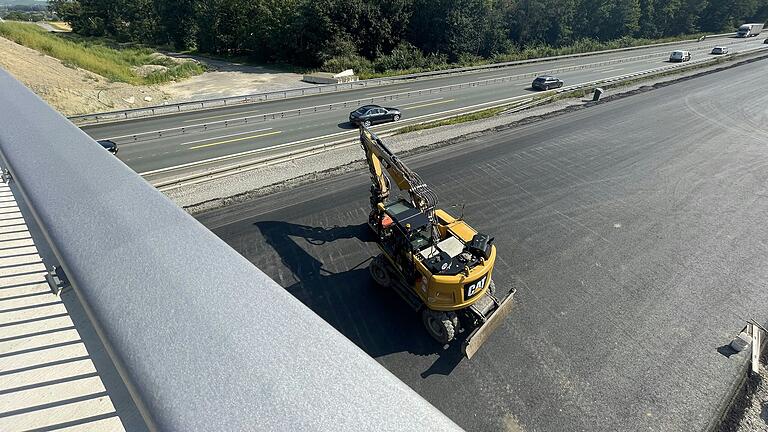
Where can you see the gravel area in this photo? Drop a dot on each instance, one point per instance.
(750, 411)
(268, 179)
(227, 79)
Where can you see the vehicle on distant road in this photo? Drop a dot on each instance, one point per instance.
(679, 56)
(367, 115)
(546, 82)
(749, 30)
(719, 50)
(109, 146)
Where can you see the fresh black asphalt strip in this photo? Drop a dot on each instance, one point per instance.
(634, 232)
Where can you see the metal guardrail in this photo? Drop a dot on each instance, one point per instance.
(202, 338)
(261, 118)
(111, 116)
(261, 157)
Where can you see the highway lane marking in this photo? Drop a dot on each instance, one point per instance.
(516, 76)
(388, 92)
(433, 103)
(222, 115)
(351, 133)
(225, 136)
(236, 139)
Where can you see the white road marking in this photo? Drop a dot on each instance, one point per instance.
(225, 136)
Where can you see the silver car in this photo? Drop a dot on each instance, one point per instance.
(679, 56)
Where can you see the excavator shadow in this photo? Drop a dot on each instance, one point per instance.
(330, 276)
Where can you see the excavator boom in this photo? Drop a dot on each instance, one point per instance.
(379, 156)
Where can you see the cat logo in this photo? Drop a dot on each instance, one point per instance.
(474, 287)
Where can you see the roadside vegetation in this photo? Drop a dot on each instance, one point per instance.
(386, 37)
(463, 118)
(415, 61)
(134, 65)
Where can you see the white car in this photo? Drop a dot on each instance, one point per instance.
(680, 56)
(719, 50)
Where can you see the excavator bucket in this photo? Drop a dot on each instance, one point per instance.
(477, 338)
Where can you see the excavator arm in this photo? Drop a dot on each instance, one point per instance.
(380, 157)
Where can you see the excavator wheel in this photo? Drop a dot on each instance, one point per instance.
(379, 272)
(439, 325)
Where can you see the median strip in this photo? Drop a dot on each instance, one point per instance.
(236, 139)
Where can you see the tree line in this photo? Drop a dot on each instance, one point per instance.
(395, 34)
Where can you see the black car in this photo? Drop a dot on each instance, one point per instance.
(546, 82)
(370, 114)
(109, 146)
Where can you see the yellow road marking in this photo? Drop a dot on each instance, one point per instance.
(222, 115)
(236, 139)
(433, 103)
(402, 90)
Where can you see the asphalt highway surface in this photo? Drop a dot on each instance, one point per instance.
(329, 125)
(633, 230)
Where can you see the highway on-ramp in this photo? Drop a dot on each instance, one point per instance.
(633, 230)
(159, 148)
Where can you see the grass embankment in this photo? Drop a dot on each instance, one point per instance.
(463, 118)
(98, 56)
(412, 61)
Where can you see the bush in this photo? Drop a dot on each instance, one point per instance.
(404, 56)
(359, 64)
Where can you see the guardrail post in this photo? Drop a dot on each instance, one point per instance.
(756, 331)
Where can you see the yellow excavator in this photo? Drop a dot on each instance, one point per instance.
(439, 265)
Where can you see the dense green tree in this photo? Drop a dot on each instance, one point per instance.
(385, 34)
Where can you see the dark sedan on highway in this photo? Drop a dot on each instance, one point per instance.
(371, 114)
(109, 146)
(546, 82)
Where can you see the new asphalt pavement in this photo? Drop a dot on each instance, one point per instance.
(633, 230)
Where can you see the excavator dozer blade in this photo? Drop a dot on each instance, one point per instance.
(477, 338)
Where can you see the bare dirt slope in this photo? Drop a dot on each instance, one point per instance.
(72, 90)
(75, 91)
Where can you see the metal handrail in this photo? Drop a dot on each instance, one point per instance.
(202, 339)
